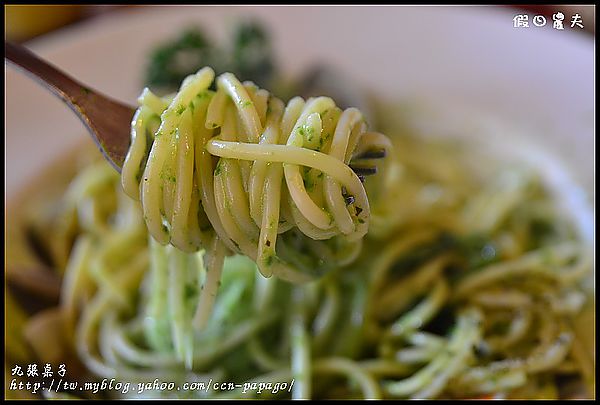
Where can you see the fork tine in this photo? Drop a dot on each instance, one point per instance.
(370, 154)
(364, 170)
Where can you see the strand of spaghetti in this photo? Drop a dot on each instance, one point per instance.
(106, 337)
(208, 292)
(264, 288)
(506, 298)
(265, 194)
(291, 155)
(585, 362)
(140, 356)
(181, 329)
(232, 175)
(224, 209)
(232, 86)
(535, 262)
(144, 125)
(184, 227)
(110, 281)
(90, 320)
(399, 297)
(157, 322)
(137, 151)
(73, 280)
(204, 167)
(423, 312)
(483, 381)
(417, 355)
(333, 191)
(381, 367)
(301, 351)
(170, 118)
(430, 380)
(370, 387)
(120, 353)
(517, 331)
(292, 171)
(324, 322)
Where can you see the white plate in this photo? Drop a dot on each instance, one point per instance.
(538, 80)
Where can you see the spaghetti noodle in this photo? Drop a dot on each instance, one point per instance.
(241, 202)
(474, 288)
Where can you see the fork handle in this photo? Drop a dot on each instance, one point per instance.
(108, 121)
(62, 85)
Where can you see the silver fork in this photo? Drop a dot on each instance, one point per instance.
(108, 121)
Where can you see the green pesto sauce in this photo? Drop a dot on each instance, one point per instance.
(309, 183)
(330, 217)
(167, 175)
(270, 259)
(218, 169)
(306, 131)
(191, 291)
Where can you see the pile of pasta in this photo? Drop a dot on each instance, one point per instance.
(465, 287)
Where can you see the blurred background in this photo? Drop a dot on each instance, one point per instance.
(24, 22)
(540, 80)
